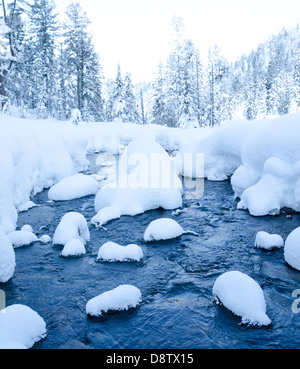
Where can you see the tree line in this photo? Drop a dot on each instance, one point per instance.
(48, 68)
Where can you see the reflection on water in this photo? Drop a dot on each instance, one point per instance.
(175, 277)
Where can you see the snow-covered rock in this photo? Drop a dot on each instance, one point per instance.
(243, 296)
(163, 229)
(7, 258)
(22, 238)
(146, 180)
(74, 187)
(27, 228)
(121, 298)
(73, 248)
(45, 239)
(268, 241)
(72, 225)
(292, 249)
(21, 325)
(112, 252)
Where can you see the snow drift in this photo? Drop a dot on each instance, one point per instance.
(146, 180)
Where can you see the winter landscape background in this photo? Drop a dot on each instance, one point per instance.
(156, 213)
(50, 67)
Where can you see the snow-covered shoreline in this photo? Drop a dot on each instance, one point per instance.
(261, 157)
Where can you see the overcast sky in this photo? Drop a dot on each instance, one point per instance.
(137, 33)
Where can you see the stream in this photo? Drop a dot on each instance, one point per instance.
(175, 277)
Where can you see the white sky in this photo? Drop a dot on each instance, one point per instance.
(137, 33)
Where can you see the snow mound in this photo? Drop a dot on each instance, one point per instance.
(73, 225)
(7, 258)
(292, 249)
(73, 187)
(73, 248)
(121, 298)
(22, 238)
(45, 239)
(163, 229)
(146, 180)
(268, 241)
(243, 296)
(22, 325)
(27, 228)
(269, 176)
(112, 252)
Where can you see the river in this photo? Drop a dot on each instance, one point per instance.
(175, 277)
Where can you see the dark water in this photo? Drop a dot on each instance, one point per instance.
(175, 277)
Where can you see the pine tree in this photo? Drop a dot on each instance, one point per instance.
(116, 100)
(159, 98)
(130, 113)
(84, 65)
(10, 36)
(44, 32)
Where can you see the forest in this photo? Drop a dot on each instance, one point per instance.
(49, 67)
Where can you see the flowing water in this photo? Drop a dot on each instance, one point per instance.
(175, 277)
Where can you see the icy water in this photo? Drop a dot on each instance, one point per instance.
(175, 277)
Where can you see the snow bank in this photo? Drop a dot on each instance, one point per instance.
(7, 258)
(73, 248)
(243, 296)
(21, 325)
(163, 229)
(112, 252)
(35, 155)
(73, 187)
(292, 249)
(261, 157)
(269, 177)
(22, 238)
(146, 181)
(72, 226)
(268, 241)
(122, 298)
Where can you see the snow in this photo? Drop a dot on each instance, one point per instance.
(27, 227)
(22, 238)
(243, 296)
(147, 180)
(45, 239)
(268, 241)
(163, 229)
(12, 346)
(113, 252)
(73, 248)
(121, 298)
(73, 187)
(21, 326)
(35, 155)
(7, 258)
(292, 249)
(73, 225)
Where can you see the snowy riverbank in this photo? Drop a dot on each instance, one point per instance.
(263, 157)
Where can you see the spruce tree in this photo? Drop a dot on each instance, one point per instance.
(84, 65)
